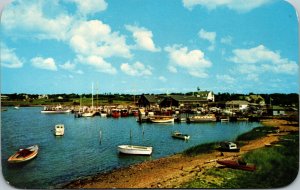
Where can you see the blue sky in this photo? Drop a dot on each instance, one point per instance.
(146, 46)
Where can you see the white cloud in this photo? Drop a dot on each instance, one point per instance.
(143, 38)
(193, 61)
(226, 40)
(236, 5)
(31, 20)
(172, 69)
(210, 36)
(98, 63)
(44, 63)
(162, 78)
(9, 58)
(96, 38)
(226, 78)
(136, 69)
(90, 6)
(260, 59)
(67, 66)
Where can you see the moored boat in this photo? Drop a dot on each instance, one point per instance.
(115, 113)
(161, 119)
(88, 114)
(202, 118)
(237, 165)
(135, 150)
(57, 109)
(124, 112)
(24, 155)
(178, 135)
(59, 130)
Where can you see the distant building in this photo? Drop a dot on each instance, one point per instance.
(258, 99)
(184, 101)
(43, 96)
(278, 110)
(150, 100)
(237, 105)
(208, 95)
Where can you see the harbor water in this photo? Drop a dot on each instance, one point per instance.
(89, 145)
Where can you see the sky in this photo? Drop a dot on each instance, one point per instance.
(146, 46)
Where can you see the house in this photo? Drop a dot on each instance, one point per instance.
(237, 105)
(184, 101)
(208, 95)
(258, 99)
(278, 110)
(149, 100)
(43, 96)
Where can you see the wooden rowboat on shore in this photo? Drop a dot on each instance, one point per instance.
(24, 155)
(237, 165)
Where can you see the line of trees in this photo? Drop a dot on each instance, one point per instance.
(274, 98)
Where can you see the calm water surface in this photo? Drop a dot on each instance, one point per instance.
(80, 152)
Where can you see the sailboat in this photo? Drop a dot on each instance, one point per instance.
(91, 112)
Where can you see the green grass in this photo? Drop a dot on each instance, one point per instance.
(256, 133)
(277, 167)
(200, 149)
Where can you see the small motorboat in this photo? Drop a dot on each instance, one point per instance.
(24, 155)
(228, 147)
(179, 135)
(59, 130)
(135, 150)
(161, 119)
(237, 164)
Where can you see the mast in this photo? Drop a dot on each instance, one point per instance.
(92, 96)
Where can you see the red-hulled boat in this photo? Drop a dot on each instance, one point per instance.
(237, 165)
(124, 113)
(115, 113)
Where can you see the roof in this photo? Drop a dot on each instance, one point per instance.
(235, 102)
(181, 98)
(153, 98)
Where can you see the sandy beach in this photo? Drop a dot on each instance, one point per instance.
(173, 171)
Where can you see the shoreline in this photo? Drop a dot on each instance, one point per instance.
(177, 169)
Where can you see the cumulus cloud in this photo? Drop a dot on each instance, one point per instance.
(98, 63)
(67, 66)
(96, 38)
(226, 40)
(236, 5)
(44, 63)
(143, 38)
(226, 78)
(192, 61)
(90, 6)
(210, 36)
(260, 59)
(136, 69)
(9, 58)
(32, 20)
(162, 78)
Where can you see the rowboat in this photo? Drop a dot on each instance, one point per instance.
(24, 155)
(237, 165)
(135, 150)
(59, 130)
(202, 118)
(179, 135)
(161, 119)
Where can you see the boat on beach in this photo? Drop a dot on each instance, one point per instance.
(59, 130)
(24, 155)
(202, 118)
(237, 164)
(179, 135)
(135, 150)
(161, 119)
(228, 147)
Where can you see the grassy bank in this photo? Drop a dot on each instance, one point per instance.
(277, 166)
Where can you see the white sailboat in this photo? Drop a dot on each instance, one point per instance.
(91, 112)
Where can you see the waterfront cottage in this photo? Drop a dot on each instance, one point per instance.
(237, 105)
(184, 101)
(149, 101)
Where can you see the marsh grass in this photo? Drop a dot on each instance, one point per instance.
(277, 167)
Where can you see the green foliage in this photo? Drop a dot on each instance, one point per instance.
(277, 167)
(256, 133)
(204, 148)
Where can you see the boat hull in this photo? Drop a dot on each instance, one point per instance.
(235, 165)
(135, 150)
(24, 155)
(56, 111)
